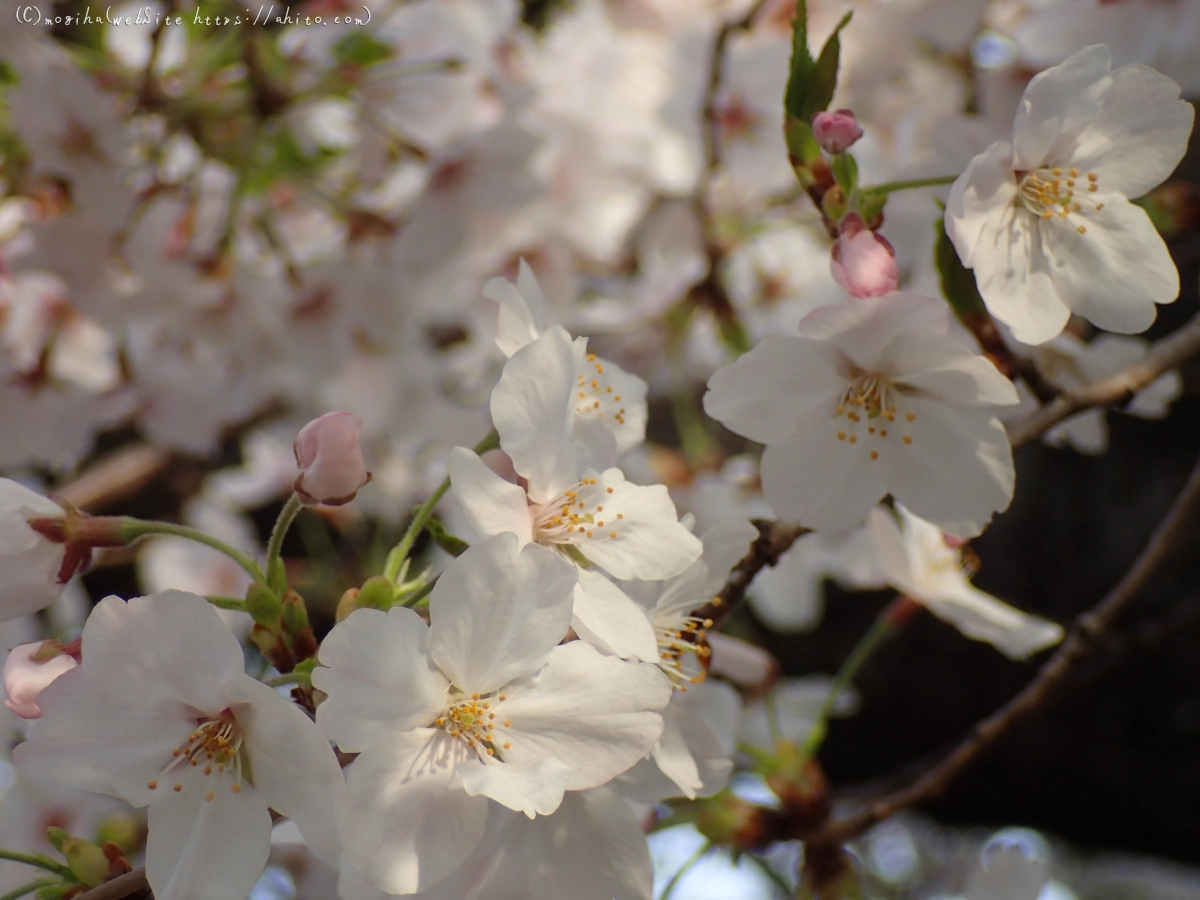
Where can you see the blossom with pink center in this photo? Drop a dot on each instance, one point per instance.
(330, 459)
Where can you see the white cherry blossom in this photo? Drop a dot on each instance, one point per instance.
(481, 703)
(918, 561)
(31, 566)
(161, 714)
(608, 401)
(865, 401)
(1045, 221)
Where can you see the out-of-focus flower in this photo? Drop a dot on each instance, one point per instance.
(836, 131)
(871, 400)
(330, 459)
(31, 565)
(1046, 221)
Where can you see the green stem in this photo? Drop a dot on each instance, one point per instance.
(235, 603)
(684, 869)
(41, 862)
(282, 524)
(136, 528)
(29, 888)
(395, 559)
(289, 678)
(879, 631)
(892, 186)
(692, 436)
(414, 598)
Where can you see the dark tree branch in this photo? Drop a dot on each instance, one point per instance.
(774, 539)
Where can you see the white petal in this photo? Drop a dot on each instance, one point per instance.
(764, 393)
(724, 547)
(292, 765)
(163, 651)
(824, 483)
(891, 551)
(605, 617)
(83, 740)
(978, 198)
(533, 409)
(983, 617)
(863, 332)
(535, 789)
(1140, 135)
(650, 542)
(377, 671)
(674, 758)
(949, 371)
(957, 471)
(522, 309)
(410, 825)
(206, 850)
(1115, 271)
(496, 612)
(1057, 105)
(491, 504)
(607, 395)
(587, 710)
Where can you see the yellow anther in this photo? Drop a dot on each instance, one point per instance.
(507, 745)
(152, 784)
(609, 490)
(910, 416)
(236, 788)
(177, 788)
(854, 439)
(874, 454)
(907, 439)
(612, 534)
(841, 435)
(208, 798)
(1081, 229)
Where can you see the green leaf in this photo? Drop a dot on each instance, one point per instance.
(733, 334)
(811, 83)
(455, 546)
(361, 49)
(958, 282)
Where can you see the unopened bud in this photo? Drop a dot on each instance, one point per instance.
(29, 669)
(330, 459)
(742, 663)
(347, 604)
(376, 593)
(863, 262)
(836, 131)
(295, 613)
(86, 861)
(263, 604)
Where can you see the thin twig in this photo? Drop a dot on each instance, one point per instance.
(1163, 356)
(122, 886)
(1084, 637)
(774, 539)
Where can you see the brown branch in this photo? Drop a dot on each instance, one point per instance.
(1163, 356)
(1084, 638)
(774, 539)
(122, 886)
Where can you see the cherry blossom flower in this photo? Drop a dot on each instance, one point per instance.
(1046, 222)
(631, 531)
(28, 670)
(481, 703)
(609, 403)
(594, 829)
(866, 401)
(330, 459)
(919, 562)
(31, 565)
(161, 714)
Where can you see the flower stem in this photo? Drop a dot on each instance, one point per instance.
(684, 869)
(894, 614)
(136, 528)
(289, 678)
(891, 186)
(286, 516)
(41, 862)
(29, 888)
(235, 603)
(399, 553)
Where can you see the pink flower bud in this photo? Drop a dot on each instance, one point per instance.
(863, 262)
(836, 131)
(28, 670)
(330, 459)
(742, 663)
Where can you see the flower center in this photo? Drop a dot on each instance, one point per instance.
(217, 745)
(577, 516)
(873, 407)
(473, 719)
(679, 642)
(1057, 193)
(594, 395)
